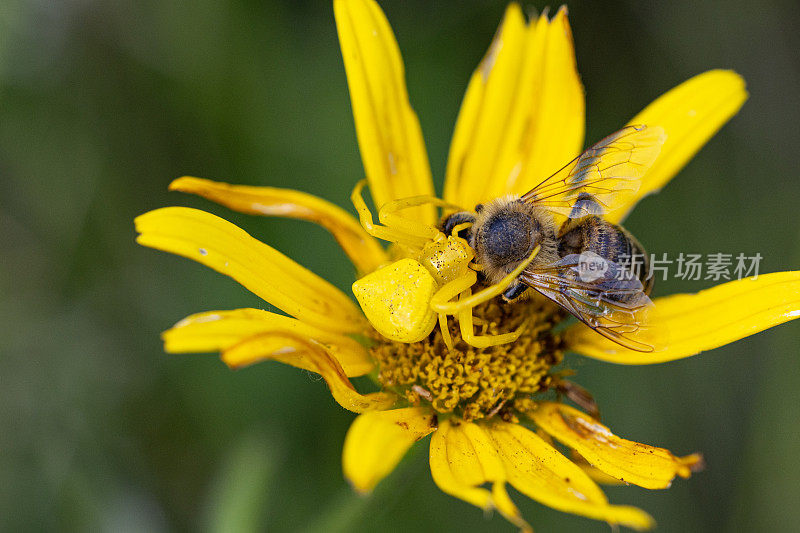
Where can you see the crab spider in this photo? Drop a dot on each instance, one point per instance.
(440, 269)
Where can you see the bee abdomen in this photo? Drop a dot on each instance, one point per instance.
(611, 242)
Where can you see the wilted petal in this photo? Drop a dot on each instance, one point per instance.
(363, 250)
(628, 461)
(299, 351)
(540, 472)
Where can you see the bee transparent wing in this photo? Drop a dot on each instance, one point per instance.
(613, 304)
(604, 177)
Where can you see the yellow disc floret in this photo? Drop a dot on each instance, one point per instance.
(473, 382)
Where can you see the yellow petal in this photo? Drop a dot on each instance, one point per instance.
(388, 130)
(317, 357)
(628, 461)
(485, 112)
(597, 475)
(396, 300)
(378, 440)
(540, 472)
(705, 320)
(364, 251)
(463, 458)
(690, 114)
(263, 270)
(522, 117)
(554, 134)
(218, 331)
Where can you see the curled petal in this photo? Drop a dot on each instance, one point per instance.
(540, 472)
(628, 461)
(263, 270)
(522, 117)
(299, 351)
(462, 458)
(705, 320)
(378, 440)
(219, 331)
(388, 130)
(364, 251)
(690, 114)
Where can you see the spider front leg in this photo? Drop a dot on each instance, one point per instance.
(482, 341)
(388, 216)
(455, 308)
(443, 327)
(448, 291)
(461, 285)
(378, 231)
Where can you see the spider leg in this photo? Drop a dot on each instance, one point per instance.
(453, 308)
(449, 291)
(448, 340)
(388, 216)
(381, 232)
(462, 286)
(482, 341)
(457, 229)
(441, 298)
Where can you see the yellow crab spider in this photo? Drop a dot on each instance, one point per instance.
(398, 298)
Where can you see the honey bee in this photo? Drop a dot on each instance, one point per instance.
(594, 269)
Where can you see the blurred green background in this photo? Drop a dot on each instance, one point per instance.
(103, 103)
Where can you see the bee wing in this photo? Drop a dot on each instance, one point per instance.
(613, 304)
(604, 177)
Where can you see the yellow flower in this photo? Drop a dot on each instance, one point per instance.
(521, 119)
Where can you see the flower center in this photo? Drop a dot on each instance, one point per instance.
(477, 382)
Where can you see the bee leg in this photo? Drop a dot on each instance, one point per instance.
(580, 396)
(467, 329)
(514, 291)
(377, 231)
(453, 308)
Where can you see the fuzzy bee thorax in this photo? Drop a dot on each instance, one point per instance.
(505, 233)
